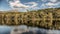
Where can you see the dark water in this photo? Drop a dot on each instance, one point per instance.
(32, 30)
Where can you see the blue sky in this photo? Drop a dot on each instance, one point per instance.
(24, 5)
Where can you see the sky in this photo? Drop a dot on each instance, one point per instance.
(23, 5)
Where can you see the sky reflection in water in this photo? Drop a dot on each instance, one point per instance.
(32, 30)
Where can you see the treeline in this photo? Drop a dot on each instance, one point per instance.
(45, 18)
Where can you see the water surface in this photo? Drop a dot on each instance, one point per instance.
(7, 30)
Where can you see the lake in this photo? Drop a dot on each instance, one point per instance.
(8, 29)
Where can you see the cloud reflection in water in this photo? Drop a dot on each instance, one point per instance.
(27, 30)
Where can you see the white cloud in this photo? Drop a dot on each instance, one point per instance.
(53, 0)
(34, 4)
(44, 0)
(49, 0)
(51, 4)
(18, 4)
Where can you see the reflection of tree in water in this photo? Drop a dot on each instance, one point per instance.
(31, 32)
(28, 30)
